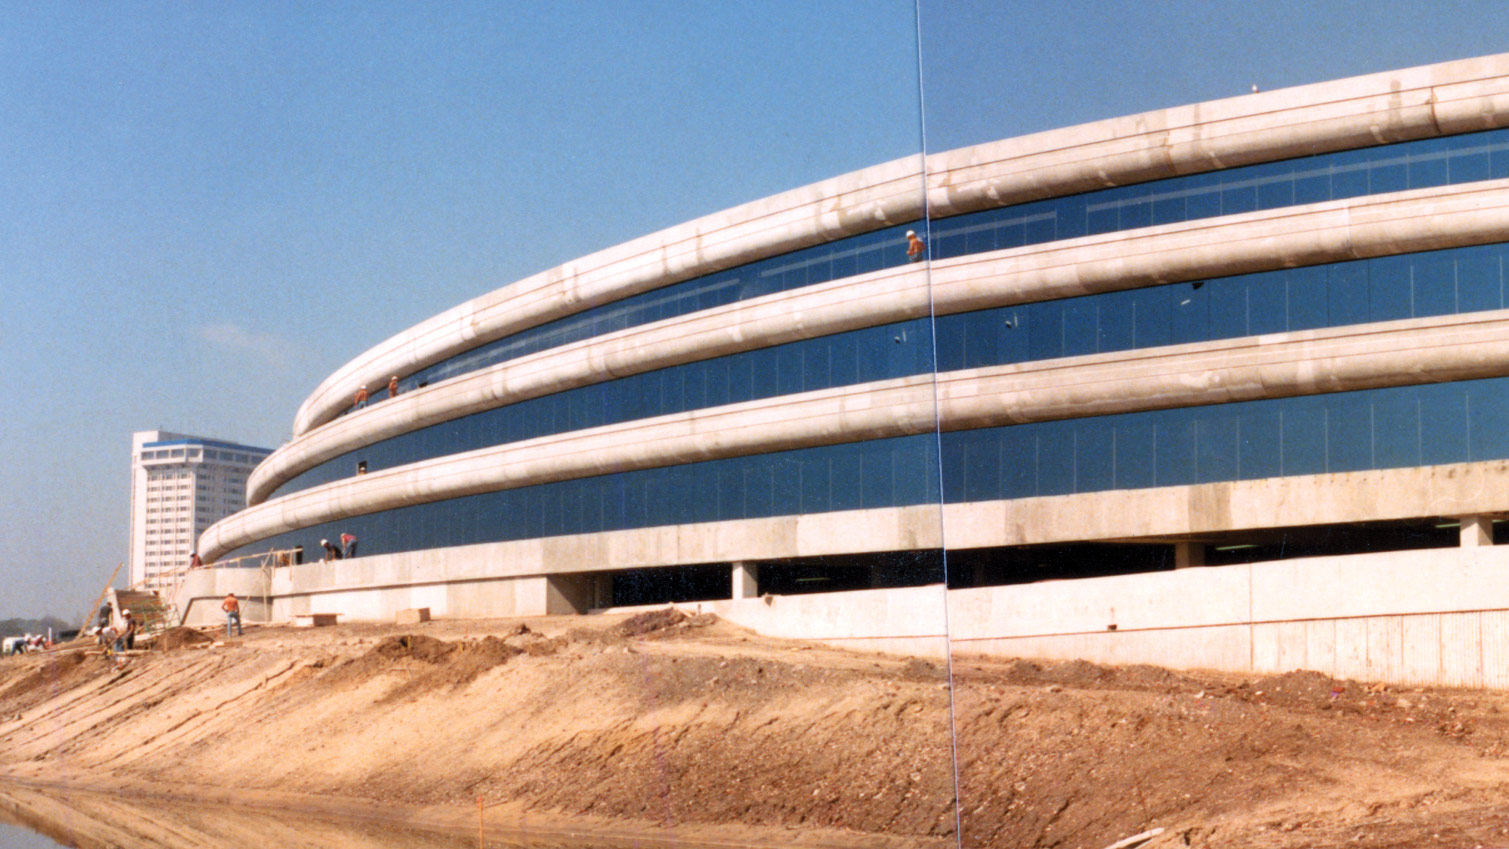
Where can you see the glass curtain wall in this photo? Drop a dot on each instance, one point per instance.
(1058, 741)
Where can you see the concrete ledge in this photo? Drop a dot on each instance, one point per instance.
(1172, 511)
(1310, 362)
(1446, 98)
(1432, 100)
(865, 200)
(1330, 232)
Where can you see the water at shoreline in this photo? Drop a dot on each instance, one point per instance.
(17, 837)
(34, 817)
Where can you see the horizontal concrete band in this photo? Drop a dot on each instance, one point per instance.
(1394, 353)
(1424, 219)
(1447, 98)
(847, 205)
(1432, 100)
(815, 535)
(1196, 511)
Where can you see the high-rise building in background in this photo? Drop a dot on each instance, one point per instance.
(180, 485)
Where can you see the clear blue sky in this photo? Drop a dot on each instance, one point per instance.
(204, 209)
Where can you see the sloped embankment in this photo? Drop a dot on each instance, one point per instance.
(660, 722)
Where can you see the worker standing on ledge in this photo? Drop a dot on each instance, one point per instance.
(232, 609)
(915, 247)
(361, 397)
(392, 387)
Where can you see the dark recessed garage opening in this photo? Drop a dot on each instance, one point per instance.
(983, 567)
(670, 584)
(850, 572)
(986, 567)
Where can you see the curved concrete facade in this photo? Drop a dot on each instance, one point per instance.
(1299, 327)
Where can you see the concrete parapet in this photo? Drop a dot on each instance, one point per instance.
(1435, 616)
(203, 590)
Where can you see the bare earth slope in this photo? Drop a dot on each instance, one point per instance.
(688, 725)
(687, 728)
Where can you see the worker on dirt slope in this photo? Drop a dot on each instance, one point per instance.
(232, 609)
(129, 627)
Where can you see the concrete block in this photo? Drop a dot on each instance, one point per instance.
(412, 616)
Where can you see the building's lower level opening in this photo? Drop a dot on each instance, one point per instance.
(850, 572)
(791, 576)
(669, 585)
(983, 567)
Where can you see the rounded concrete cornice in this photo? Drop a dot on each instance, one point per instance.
(1451, 97)
(842, 206)
(1431, 100)
(1422, 219)
(1280, 365)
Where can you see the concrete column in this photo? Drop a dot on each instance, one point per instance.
(1476, 531)
(746, 580)
(568, 593)
(1187, 554)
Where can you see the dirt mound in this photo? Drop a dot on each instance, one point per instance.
(412, 647)
(662, 623)
(1300, 686)
(1083, 675)
(432, 663)
(177, 638)
(649, 622)
(917, 669)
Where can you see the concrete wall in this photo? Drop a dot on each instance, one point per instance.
(1437, 616)
(202, 591)
(1421, 617)
(897, 621)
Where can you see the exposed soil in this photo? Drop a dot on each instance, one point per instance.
(1075, 754)
(669, 724)
(177, 638)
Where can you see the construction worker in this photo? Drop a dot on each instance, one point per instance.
(232, 609)
(392, 387)
(915, 247)
(348, 545)
(129, 627)
(361, 397)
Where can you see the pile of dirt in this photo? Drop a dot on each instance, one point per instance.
(1086, 675)
(655, 623)
(427, 663)
(177, 638)
(1301, 686)
(412, 647)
